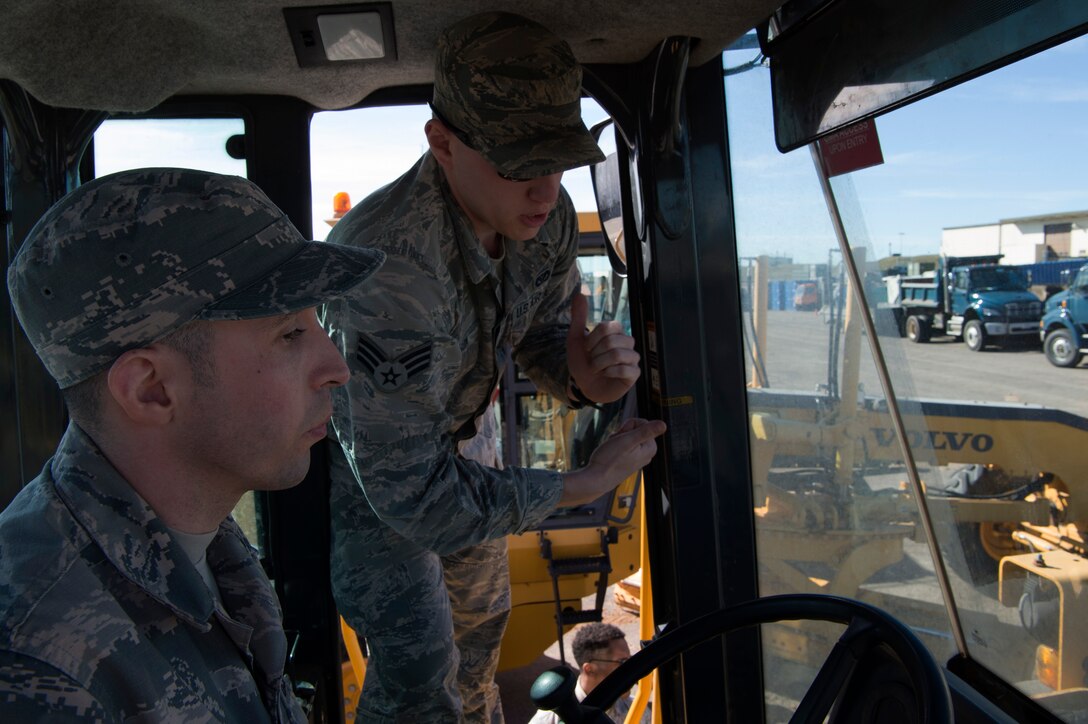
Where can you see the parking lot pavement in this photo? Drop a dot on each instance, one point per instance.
(943, 368)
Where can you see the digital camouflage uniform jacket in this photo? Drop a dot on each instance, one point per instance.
(104, 618)
(425, 340)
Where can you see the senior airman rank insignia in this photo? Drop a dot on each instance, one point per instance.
(392, 374)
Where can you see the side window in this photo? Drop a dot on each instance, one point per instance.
(356, 152)
(983, 433)
(122, 144)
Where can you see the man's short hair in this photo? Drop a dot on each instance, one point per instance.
(593, 638)
(192, 341)
(84, 400)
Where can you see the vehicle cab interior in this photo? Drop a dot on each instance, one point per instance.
(824, 535)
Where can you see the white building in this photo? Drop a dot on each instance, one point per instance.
(1024, 240)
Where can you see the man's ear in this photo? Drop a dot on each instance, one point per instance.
(141, 382)
(439, 139)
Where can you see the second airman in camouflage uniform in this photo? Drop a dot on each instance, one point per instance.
(175, 309)
(481, 244)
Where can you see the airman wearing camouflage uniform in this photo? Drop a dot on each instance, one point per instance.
(113, 605)
(481, 244)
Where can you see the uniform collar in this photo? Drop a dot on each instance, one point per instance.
(136, 542)
(128, 532)
(250, 600)
(476, 260)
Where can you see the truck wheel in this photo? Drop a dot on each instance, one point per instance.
(1061, 349)
(974, 335)
(982, 544)
(917, 329)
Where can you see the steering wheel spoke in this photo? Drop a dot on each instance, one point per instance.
(859, 636)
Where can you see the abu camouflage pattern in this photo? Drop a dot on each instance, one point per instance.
(402, 497)
(478, 581)
(446, 295)
(127, 258)
(433, 624)
(511, 89)
(103, 617)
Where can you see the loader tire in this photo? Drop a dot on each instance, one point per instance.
(977, 567)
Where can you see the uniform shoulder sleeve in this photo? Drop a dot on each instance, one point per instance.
(398, 333)
(33, 691)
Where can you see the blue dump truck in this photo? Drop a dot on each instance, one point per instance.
(1064, 326)
(970, 297)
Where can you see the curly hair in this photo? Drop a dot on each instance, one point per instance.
(593, 638)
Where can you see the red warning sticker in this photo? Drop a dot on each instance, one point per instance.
(854, 147)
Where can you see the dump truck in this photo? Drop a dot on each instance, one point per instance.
(974, 298)
(1063, 330)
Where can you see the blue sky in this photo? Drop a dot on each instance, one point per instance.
(359, 151)
(352, 151)
(1012, 143)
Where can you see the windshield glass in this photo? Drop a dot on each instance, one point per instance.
(997, 446)
(996, 279)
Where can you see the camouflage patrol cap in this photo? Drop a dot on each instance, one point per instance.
(127, 258)
(511, 90)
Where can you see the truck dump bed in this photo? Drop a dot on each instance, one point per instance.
(920, 290)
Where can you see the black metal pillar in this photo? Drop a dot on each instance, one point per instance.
(42, 148)
(296, 520)
(686, 312)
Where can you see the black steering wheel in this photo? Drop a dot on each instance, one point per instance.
(867, 628)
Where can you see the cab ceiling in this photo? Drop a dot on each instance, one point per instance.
(130, 55)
